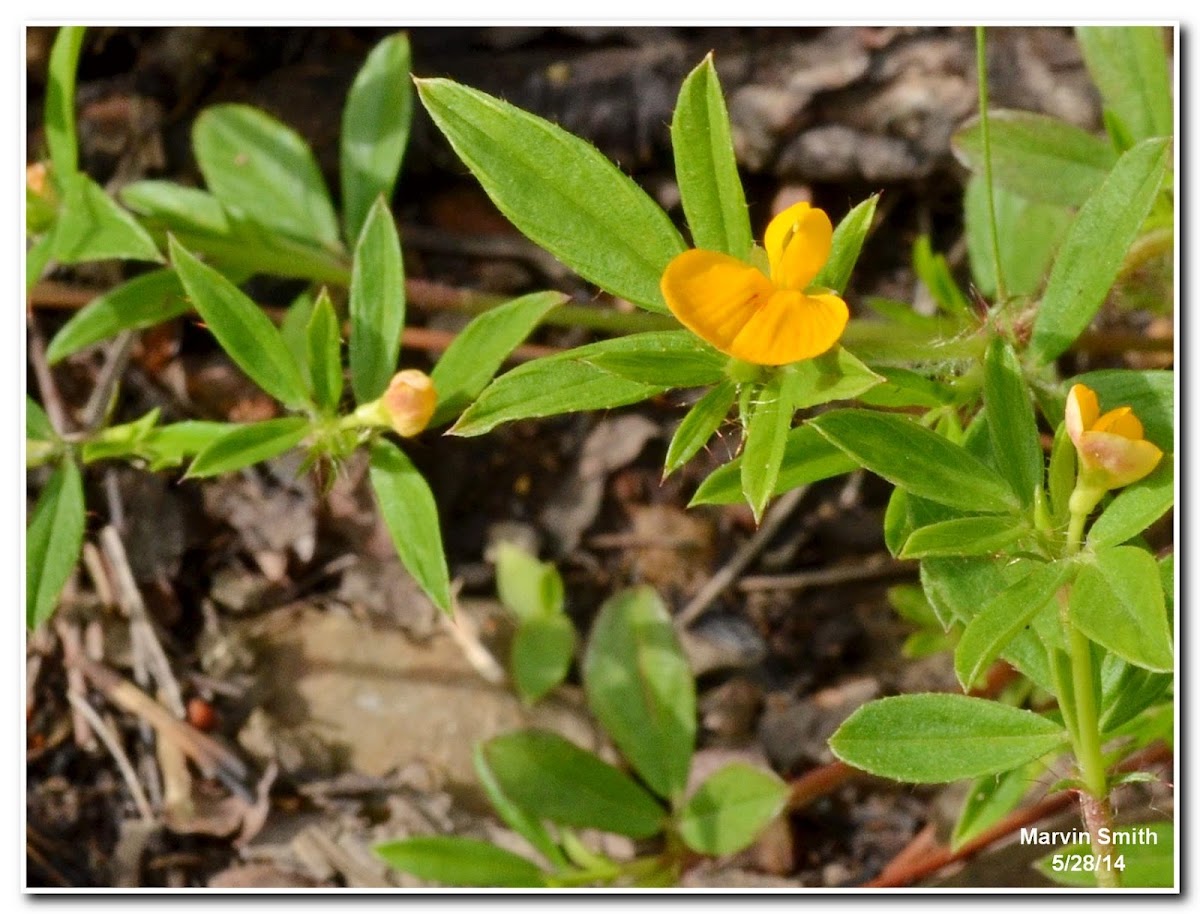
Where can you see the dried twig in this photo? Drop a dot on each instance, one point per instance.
(116, 359)
(880, 565)
(465, 633)
(114, 747)
(746, 554)
(52, 401)
(68, 634)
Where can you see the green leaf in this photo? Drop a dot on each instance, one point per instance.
(932, 739)
(902, 388)
(119, 441)
(917, 459)
(265, 169)
(1095, 246)
(52, 542)
(1129, 66)
(1127, 691)
(569, 382)
(1151, 395)
(516, 818)
(1061, 476)
(554, 779)
(963, 536)
(410, 513)
(141, 302)
(934, 272)
(730, 808)
(541, 655)
(807, 458)
(1003, 617)
(477, 353)
(248, 444)
(377, 305)
(456, 861)
(990, 799)
(294, 328)
(1149, 862)
(835, 375)
(37, 423)
(60, 100)
(1117, 601)
(528, 588)
(37, 258)
(897, 521)
(766, 440)
(1012, 426)
(693, 365)
(699, 425)
(640, 688)
(1134, 509)
(1028, 232)
(375, 126)
(848, 239)
(1037, 157)
(559, 191)
(325, 353)
(243, 330)
(91, 226)
(169, 445)
(706, 167)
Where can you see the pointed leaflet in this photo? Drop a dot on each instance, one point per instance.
(37, 423)
(52, 542)
(324, 349)
(1135, 508)
(477, 352)
(143, 301)
(60, 100)
(375, 125)
(917, 459)
(1012, 426)
(245, 445)
(265, 169)
(1095, 246)
(706, 167)
(1028, 234)
(766, 440)
(848, 239)
(933, 739)
(522, 821)
(456, 861)
(91, 226)
(1129, 66)
(243, 330)
(1038, 157)
(410, 513)
(560, 191)
(1117, 601)
(963, 536)
(554, 779)
(640, 687)
(377, 304)
(699, 425)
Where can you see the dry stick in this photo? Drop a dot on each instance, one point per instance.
(880, 565)
(116, 359)
(144, 639)
(68, 634)
(746, 554)
(465, 633)
(114, 747)
(51, 399)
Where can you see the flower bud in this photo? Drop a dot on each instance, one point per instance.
(1113, 450)
(409, 402)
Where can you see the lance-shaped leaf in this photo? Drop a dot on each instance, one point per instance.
(243, 330)
(1012, 426)
(766, 440)
(1134, 509)
(699, 425)
(848, 239)
(52, 542)
(560, 191)
(1095, 246)
(245, 445)
(963, 536)
(60, 100)
(1117, 601)
(377, 305)
(37, 423)
(706, 167)
(91, 226)
(522, 821)
(265, 169)
(143, 301)
(410, 513)
(375, 125)
(933, 739)
(1129, 66)
(324, 351)
(1028, 234)
(456, 861)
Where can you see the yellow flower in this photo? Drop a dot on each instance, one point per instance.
(745, 314)
(405, 407)
(1113, 450)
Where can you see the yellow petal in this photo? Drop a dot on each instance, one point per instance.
(1082, 410)
(1118, 461)
(798, 242)
(791, 326)
(714, 295)
(1120, 421)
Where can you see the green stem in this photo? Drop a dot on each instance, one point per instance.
(1086, 713)
(981, 67)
